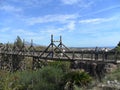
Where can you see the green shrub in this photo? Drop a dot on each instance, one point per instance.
(65, 66)
(47, 78)
(55, 76)
(3, 79)
(78, 78)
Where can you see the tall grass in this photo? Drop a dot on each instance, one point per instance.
(50, 77)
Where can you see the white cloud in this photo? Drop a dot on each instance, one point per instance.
(51, 18)
(70, 26)
(95, 20)
(16, 32)
(2, 30)
(9, 8)
(70, 2)
(37, 36)
(106, 9)
(52, 30)
(102, 10)
(91, 20)
(25, 32)
(79, 3)
(32, 3)
(100, 27)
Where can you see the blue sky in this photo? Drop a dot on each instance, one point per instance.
(82, 23)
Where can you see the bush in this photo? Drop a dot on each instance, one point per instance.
(55, 76)
(47, 78)
(76, 77)
(65, 66)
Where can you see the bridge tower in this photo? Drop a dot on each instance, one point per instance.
(56, 49)
(53, 49)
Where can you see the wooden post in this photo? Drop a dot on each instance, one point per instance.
(0, 61)
(60, 42)
(52, 44)
(73, 56)
(91, 55)
(11, 62)
(103, 55)
(51, 38)
(33, 63)
(82, 55)
(31, 49)
(96, 53)
(31, 43)
(116, 56)
(106, 54)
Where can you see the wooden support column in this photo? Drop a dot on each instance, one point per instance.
(96, 53)
(82, 55)
(52, 44)
(91, 55)
(116, 56)
(103, 55)
(33, 63)
(0, 61)
(73, 55)
(11, 62)
(37, 63)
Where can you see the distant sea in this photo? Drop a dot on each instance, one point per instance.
(109, 47)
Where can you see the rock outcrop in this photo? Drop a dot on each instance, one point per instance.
(97, 70)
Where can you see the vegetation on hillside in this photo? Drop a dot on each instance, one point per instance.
(55, 76)
(117, 48)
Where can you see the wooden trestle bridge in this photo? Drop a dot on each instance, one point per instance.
(57, 51)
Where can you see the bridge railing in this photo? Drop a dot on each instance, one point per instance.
(92, 54)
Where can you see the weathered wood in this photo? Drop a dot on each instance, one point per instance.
(55, 52)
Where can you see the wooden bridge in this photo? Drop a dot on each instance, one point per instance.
(57, 51)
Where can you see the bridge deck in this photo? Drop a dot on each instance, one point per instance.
(55, 52)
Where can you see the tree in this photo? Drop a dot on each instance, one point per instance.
(118, 44)
(117, 48)
(18, 42)
(18, 59)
